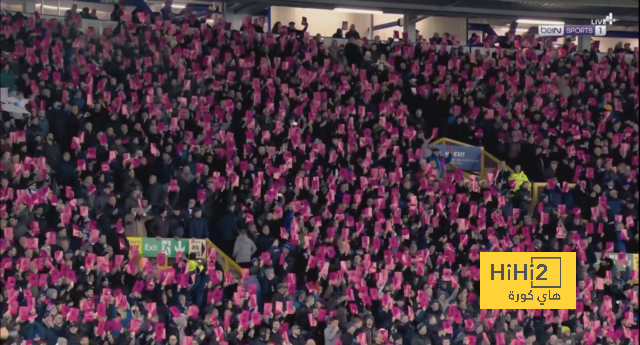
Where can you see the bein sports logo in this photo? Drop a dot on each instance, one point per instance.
(608, 20)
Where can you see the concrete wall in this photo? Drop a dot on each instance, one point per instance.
(453, 26)
(324, 22)
(383, 19)
(610, 42)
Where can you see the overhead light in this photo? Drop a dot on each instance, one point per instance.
(508, 28)
(355, 10)
(178, 6)
(539, 22)
(56, 7)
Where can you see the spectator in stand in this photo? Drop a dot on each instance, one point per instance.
(257, 27)
(85, 13)
(243, 249)
(74, 10)
(474, 41)
(353, 52)
(299, 33)
(277, 27)
(167, 10)
(352, 33)
(116, 14)
(518, 177)
(338, 34)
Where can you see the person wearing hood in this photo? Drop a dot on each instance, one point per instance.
(281, 293)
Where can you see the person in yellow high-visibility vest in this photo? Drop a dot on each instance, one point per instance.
(193, 263)
(519, 177)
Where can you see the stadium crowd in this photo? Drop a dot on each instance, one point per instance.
(312, 165)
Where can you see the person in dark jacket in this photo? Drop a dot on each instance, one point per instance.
(73, 338)
(178, 222)
(352, 33)
(227, 230)
(296, 338)
(198, 227)
(347, 337)
(268, 283)
(160, 226)
(155, 192)
(421, 337)
(264, 241)
(353, 52)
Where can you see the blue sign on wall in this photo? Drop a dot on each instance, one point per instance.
(467, 158)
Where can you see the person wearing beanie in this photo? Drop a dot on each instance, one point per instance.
(347, 337)
(420, 337)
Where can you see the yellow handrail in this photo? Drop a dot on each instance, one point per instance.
(493, 158)
(455, 142)
(228, 262)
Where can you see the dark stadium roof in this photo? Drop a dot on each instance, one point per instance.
(572, 11)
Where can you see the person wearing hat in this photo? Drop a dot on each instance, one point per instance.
(347, 337)
(281, 293)
(420, 337)
(160, 225)
(73, 337)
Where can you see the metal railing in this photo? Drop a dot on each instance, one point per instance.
(225, 261)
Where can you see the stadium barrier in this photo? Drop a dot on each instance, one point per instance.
(149, 247)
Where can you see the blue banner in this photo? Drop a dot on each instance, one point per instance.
(467, 158)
